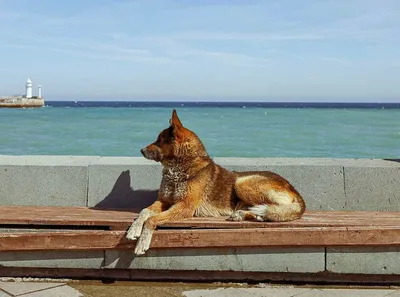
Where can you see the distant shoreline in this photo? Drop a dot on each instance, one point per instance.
(225, 104)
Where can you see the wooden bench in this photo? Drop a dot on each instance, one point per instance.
(81, 228)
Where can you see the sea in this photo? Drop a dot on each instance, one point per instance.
(227, 129)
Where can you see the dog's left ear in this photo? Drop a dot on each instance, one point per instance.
(175, 122)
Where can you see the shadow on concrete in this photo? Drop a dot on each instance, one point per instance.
(393, 160)
(124, 197)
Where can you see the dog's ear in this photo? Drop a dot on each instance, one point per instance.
(175, 122)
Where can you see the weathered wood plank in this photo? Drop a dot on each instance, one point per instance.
(121, 219)
(56, 215)
(198, 238)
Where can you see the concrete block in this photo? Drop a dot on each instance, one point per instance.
(38, 160)
(43, 185)
(322, 186)
(20, 288)
(60, 291)
(123, 183)
(53, 259)
(253, 292)
(364, 260)
(372, 188)
(236, 259)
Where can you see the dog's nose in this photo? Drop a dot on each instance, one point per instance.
(142, 151)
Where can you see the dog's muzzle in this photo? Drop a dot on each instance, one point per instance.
(150, 154)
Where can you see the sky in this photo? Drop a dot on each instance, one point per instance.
(247, 50)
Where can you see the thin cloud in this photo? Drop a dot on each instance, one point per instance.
(195, 35)
(231, 58)
(92, 49)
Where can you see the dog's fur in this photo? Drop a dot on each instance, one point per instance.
(193, 185)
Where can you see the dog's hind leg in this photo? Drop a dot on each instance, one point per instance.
(268, 197)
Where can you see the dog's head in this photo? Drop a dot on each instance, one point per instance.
(174, 143)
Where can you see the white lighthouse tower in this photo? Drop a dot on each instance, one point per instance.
(40, 91)
(28, 89)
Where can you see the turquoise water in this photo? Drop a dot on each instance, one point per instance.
(226, 132)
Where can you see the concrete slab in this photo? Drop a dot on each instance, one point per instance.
(359, 292)
(50, 185)
(236, 259)
(61, 291)
(53, 259)
(364, 260)
(239, 292)
(315, 293)
(123, 186)
(19, 288)
(48, 160)
(306, 162)
(372, 188)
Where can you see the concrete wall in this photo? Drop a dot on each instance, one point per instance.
(116, 182)
(120, 182)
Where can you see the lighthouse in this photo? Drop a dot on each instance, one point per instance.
(40, 91)
(28, 94)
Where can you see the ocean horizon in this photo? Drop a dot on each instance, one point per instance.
(272, 104)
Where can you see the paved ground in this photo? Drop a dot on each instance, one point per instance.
(133, 289)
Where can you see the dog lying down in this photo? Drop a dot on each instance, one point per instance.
(193, 185)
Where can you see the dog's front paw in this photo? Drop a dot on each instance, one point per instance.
(143, 243)
(134, 230)
(236, 216)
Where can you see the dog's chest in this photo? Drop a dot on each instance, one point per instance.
(173, 185)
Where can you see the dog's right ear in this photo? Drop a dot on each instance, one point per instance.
(175, 122)
(175, 126)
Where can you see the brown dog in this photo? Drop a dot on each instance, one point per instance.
(193, 185)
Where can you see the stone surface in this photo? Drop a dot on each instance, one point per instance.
(19, 288)
(43, 185)
(139, 289)
(364, 260)
(239, 292)
(48, 160)
(62, 291)
(316, 293)
(359, 292)
(53, 259)
(372, 188)
(236, 259)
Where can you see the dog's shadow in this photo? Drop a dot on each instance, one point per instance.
(124, 197)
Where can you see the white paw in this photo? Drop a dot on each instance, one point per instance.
(259, 219)
(236, 216)
(143, 244)
(134, 230)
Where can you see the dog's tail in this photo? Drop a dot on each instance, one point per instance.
(278, 213)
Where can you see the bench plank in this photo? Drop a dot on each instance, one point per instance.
(199, 238)
(121, 219)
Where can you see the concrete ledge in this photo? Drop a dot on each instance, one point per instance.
(124, 182)
(52, 259)
(52, 185)
(365, 260)
(222, 259)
